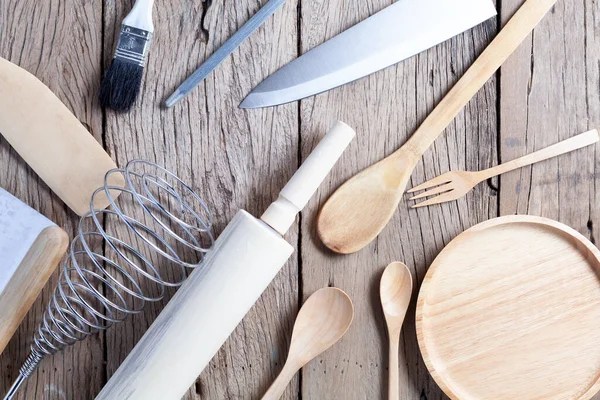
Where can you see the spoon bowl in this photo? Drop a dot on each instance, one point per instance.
(322, 321)
(395, 292)
(357, 212)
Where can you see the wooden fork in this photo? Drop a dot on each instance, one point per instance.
(455, 184)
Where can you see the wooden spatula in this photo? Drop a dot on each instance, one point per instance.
(51, 139)
(357, 212)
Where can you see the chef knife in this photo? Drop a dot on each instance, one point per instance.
(396, 33)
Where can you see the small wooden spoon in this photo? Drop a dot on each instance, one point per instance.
(323, 320)
(395, 292)
(358, 211)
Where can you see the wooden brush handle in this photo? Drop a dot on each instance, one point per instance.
(566, 146)
(29, 279)
(140, 15)
(507, 41)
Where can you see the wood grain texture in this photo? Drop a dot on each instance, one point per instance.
(548, 91)
(385, 109)
(521, 324)
(234, 159)
(60, 43)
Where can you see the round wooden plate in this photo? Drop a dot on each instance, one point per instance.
(510, 309)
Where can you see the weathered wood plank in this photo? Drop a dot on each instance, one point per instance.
(234, 158)
(385, 109)
(549, 92)
(59, 42)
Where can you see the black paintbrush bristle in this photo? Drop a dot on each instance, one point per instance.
(121, 85)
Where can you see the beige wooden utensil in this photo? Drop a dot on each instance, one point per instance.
(323, 320)
(357, 212)
(51, 139)
(510, 309)
(455, 184)
(395, 291)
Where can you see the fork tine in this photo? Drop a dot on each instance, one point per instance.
(438, 180)
(437, 190)
(442, 198)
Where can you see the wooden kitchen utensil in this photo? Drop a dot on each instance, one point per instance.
(158, 224)
(395, 292)
(455, 184)
(30, 248)
(218, 294)
(510, 310)
(357, 212)
(323, 320)
(51, 139)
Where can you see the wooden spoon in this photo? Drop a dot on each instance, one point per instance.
(395, 292)
(357, 212)
(323, 320)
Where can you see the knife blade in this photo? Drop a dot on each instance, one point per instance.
(396, 33)
(224, 51)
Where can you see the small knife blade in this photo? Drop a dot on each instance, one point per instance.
(396, 33)
(224, 51)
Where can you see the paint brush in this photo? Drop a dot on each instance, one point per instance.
(123, 79)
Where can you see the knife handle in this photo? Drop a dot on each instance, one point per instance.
(505, 43)
(29, 279)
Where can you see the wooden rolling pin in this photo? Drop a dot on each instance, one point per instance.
(221, 290)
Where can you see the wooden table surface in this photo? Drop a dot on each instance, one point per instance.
(548, 91)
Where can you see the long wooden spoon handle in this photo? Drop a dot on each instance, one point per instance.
(394, 376)
(507, 41)
(566, 146)
(282, 381)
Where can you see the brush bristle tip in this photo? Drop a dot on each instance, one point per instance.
(121, 85)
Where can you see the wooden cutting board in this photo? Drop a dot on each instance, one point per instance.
(510, 309)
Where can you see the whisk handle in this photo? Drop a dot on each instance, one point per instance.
(30, 364)
(15, 387)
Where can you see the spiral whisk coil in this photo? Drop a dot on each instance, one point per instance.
(112, 269)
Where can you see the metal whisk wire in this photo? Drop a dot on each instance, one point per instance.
(106, 278)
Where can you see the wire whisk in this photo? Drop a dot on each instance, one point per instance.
(111, 270)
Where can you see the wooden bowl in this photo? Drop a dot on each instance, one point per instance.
(510, 309)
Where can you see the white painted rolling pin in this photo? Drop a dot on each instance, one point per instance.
(222, 289)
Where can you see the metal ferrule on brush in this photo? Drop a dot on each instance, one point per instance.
(133, 46)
